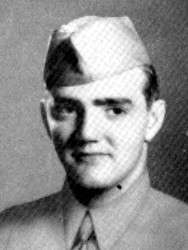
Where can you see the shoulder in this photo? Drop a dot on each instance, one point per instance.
(161, 223)
(25, 212)
(168, 206)
(31, 221)
(171, 213)
(166, 220)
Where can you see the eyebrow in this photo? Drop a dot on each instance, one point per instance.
(65, 100)
(112, 101)
(97, 102)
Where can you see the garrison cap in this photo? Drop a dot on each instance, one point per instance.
(92, 48)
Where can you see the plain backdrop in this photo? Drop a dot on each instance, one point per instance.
(29, 167)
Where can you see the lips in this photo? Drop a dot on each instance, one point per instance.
(84, 154)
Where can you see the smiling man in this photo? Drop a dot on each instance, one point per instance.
(101, 110)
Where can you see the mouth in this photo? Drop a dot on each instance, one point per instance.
(86, 155)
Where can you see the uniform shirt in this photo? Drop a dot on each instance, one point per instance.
(139, 218)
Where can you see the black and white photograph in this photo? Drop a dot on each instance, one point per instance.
(94, 125)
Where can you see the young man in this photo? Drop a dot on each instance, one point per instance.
(101, 110)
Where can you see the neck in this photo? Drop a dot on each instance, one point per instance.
(85, 195)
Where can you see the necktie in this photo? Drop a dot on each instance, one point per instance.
(86, 239)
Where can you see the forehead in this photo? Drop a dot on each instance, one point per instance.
(128, 84)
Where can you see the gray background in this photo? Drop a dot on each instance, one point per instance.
(28, 165)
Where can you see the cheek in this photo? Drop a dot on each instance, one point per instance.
(129, 132)
(64, 130)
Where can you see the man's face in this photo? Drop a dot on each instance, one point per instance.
(100, 128)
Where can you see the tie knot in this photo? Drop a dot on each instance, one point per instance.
(86, 238)
(86, 228)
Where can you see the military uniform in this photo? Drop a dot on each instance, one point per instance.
(141, 218)
(135, 217)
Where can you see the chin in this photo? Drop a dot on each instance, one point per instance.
(95, 183)
(88, 182)
(89, 177)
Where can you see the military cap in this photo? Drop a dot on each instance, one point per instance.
(91, 48)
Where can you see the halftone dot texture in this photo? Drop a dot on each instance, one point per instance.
(105, 47)
(108, 46)
(29, 166)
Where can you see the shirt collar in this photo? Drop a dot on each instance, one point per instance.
(73, 213)
(110, 220)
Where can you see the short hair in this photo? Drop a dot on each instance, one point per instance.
(64, 58)
(151, 89)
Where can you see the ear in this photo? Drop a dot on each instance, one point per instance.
(155, 119)
(47, 119)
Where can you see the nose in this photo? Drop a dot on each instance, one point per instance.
(91, 128)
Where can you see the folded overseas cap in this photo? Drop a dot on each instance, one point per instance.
(92, 48)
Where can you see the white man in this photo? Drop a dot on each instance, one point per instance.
(101, 110)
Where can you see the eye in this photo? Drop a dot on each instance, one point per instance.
(62, 112)
(115, 111)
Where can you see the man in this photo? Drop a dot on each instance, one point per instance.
(101, 110)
